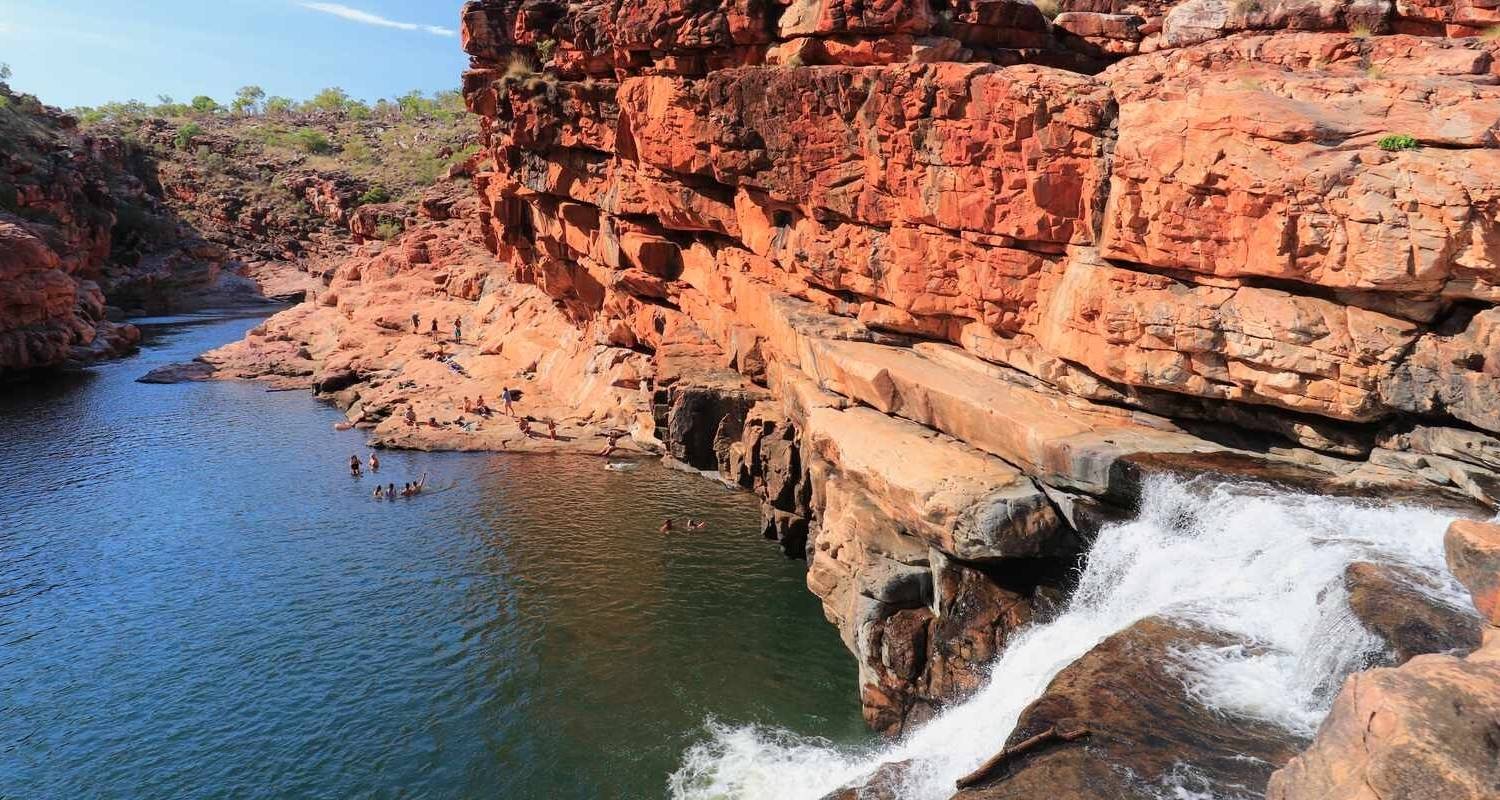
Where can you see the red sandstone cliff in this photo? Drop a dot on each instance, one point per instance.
(942, 281)
(1057, 253)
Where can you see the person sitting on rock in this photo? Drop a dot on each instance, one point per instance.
(411, 417)
(354, 468)
(469, 406)
(666, 527)
(432, 422)
(611, 444)
(482, 408)
(374, 463)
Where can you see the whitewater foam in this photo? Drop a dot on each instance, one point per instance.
(1262, 565)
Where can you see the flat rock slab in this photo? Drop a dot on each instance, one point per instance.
(179, 373)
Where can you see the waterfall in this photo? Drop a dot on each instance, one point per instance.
(1260, 564)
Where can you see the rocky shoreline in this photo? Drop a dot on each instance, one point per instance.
(946, 285)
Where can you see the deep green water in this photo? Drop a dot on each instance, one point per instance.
(198, 601)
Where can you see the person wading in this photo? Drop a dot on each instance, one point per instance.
(354, 468)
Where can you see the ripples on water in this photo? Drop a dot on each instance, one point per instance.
(196, 600)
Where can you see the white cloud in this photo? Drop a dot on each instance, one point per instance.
(366, 18)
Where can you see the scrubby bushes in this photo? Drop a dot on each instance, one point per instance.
(1399, 141)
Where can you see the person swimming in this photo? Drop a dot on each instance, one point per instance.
(666, 527)
(390, 491)
(696, 525)
(407, 491)
(379, 492)
(419, 485)
(354, 468)
(374, 463)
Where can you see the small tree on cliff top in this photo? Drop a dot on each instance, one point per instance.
(203, 104)
(248, 99)
(4, 71)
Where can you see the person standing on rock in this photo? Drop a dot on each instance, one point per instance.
(434, 326)
(505, 398)
(416, 323)
(458, 330)
(354, 468)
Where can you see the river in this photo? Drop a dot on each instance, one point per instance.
(197, 600)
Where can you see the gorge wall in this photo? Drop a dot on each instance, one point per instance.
(946, 284)
(943, 281)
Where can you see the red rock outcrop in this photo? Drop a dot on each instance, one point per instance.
(1062, 253)
(1425, 729)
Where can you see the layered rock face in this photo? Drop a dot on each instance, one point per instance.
(56, 216)
(942, 281)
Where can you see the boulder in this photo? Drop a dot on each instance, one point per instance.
(1391, 602)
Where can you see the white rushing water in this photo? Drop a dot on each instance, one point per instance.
(1264, 566)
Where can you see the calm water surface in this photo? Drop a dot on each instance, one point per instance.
(197, 600)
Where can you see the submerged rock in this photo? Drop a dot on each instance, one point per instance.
(179, 373)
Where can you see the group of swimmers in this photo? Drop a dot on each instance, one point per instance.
(670, 525)
(389, 491)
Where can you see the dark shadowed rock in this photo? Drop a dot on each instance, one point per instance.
(179, 373)
(1390, 602)
(1143, 726)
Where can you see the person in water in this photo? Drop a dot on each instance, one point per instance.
(390, 491)
(354, 468)
(379, 492)
(666, 527)
(419, 485)
(374, 463)
(696, 525)
(407, 491)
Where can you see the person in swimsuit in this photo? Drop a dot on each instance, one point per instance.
(354, 468)
(390, 491)
(505, 398)
(458, 330)
(374, 463)
(696, 525)
(379, 492)
(666, 527)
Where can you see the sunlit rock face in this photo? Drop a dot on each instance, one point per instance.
(962, 274)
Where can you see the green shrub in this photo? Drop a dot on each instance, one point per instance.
(186, 134)
(203, 104)
(544, 49)
(387, 230)
(375, 194)
(311, 142)
(1399, 141)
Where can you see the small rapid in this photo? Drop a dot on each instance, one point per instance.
(1262, 565)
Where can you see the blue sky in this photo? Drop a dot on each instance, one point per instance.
(86, 52)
